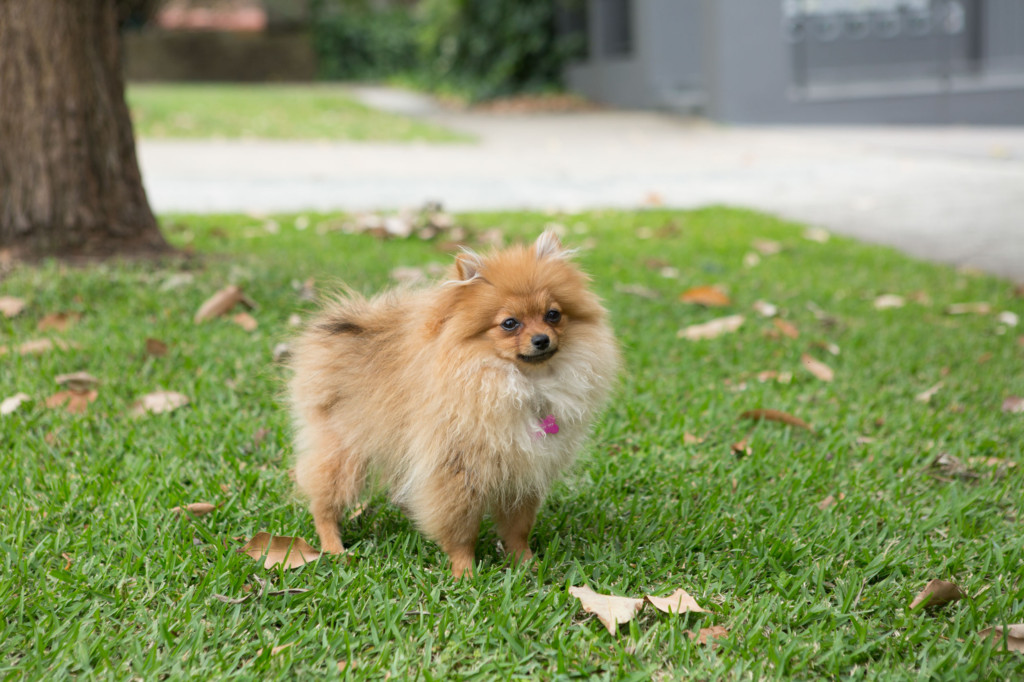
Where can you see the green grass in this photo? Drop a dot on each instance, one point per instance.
(100, 580)
(310, 112)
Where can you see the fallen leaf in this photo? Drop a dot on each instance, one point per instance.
(886, 301)
(67, 560)
(77, 402)
(952, 466)
(786, 328)
(280, 549)
(765, 309)
(766, 247)
(222, 302)
(156, 348)
(11, 306)
(741, 448)
(356, 511)
(677, 602)
(637, 290)
(937, 593)
(978, 308)
(707, 296)
(158, 402)
(926, 396)
(817, 368)
(776, 416)
(1008, 318)
(1013, 635)
(343, 665)
(609, 609)
(282, 352)
(59, 321)
(77, 381)
(690, 439)
(711, 329)
(769, 374)
(245, 321)
(195, 509)
(1013, 404)
(37, 346)
(9, 405)
(817, 234)
(710, 634)
(826, 503)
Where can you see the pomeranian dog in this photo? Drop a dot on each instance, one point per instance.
(463, 399)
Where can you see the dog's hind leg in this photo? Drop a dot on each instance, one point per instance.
(333, 479)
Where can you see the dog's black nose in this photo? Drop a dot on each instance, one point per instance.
(540, 341)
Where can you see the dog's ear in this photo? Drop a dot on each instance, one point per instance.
(547, 244)
(468, 265)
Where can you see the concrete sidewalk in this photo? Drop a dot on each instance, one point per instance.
(944, 194)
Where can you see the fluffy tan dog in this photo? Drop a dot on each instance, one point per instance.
(462, 399)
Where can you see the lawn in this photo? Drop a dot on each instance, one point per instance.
(806, 546)
(310, 112)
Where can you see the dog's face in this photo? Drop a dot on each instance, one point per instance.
(523, 302)
(528, 329)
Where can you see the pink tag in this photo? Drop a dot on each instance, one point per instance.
(549, 425)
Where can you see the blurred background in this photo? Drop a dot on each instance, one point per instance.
(777, 61)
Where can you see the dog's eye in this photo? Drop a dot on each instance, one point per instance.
(553, 316)
(509, 324)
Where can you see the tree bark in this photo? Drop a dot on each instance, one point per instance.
(69, 178)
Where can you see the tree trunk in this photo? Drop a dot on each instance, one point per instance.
(69, 179)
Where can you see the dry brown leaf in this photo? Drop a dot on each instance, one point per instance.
(690, 439)
(711, 329)
(707, 296)
(59, 321)
(9, 405)
(37, 346)
(951, 466)
(1013, 635)
(826, 503)
(937, 593)
(637, 290)
(195, 509)
(765, 309)
(343, 665)
(156, 348)
(77, 402)
(710, 634)
(158, 402)
(766, 247)
(77, 381)
(977, 308)
(817, 368)
(776, 416)
(11, 305)
(677, 602)
(741, 448)
(1013, 404)
(786, 328)
(222, 302)
(817, 234)
(926, 396)
(609, 609)
(280, 549)
(245, 321)
(886, 301)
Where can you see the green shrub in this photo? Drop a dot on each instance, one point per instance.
(477, 48)
(490, 48)
(353, 41)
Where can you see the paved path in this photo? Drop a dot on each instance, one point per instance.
(953, 195)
